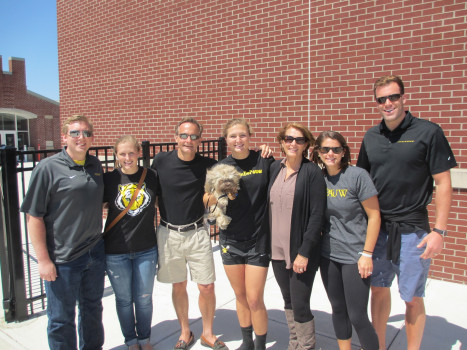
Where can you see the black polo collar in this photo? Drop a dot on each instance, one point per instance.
(408, 119)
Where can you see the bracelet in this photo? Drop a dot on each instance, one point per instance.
(365, 254)
(368, 251)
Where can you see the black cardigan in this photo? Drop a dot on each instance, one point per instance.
(308, 210)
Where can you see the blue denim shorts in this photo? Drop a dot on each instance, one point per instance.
(411, 270)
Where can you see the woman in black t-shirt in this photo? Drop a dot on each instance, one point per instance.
(130, 245)
(245, 253)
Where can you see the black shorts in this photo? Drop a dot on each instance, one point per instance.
(242, 253)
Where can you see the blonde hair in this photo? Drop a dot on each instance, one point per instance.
(76, 118)
(123, 139)
(236, 121)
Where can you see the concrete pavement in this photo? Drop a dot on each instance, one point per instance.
(446, 326)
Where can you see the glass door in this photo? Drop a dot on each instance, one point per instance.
(7, 139)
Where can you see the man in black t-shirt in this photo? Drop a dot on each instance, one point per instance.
(182, 237)
(403, 155)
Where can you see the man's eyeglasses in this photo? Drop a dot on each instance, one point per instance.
(335, 150)
(76, 133)
(298, 140)
(192, 136)
(393, 98)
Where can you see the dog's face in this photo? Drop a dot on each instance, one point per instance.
(223, 179)
(228, 186)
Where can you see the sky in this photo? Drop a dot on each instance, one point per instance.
(29, 30)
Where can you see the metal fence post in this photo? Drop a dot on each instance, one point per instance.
(14, 303)
(5, 261)
(146, 154)
(221, 148)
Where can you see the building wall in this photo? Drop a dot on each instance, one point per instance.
(14, 95)
(139, 69)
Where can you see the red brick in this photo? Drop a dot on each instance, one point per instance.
(220, 59)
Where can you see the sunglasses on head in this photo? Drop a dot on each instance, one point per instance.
(76, 133)
(335, 150)
(192, 136)
(393, 98)
(298, 140)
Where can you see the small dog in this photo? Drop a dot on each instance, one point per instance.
(223, 182)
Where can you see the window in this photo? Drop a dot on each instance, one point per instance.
(8, 122)
(22, 123)
(14, 130)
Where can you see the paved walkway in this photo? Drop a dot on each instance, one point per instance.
(446, 326)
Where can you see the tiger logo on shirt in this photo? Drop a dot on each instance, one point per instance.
(125, 193)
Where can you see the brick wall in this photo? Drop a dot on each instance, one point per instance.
(139, 69)
(14, 95)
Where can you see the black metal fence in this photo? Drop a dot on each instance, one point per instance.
(23, 289)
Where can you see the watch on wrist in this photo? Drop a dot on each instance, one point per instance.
(443, 233)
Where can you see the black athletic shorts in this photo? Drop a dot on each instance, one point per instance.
(241, 253)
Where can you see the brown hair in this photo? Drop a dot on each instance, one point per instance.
(388, 79)
(333, 135)
(310, 140)
(236, 121)
(189, 120)
(76, 118)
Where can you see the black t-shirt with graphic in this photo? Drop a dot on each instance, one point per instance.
(135, 232)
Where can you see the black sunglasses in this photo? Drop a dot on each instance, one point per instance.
(335, 150)
(298, 140)
(192, 136)
(393, 98)
(76, 133)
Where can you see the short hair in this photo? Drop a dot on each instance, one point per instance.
(76, 118)
(310, 140)
(388, 79)
(333, 135)
(189, 120)
(123, 139)
(236, 121)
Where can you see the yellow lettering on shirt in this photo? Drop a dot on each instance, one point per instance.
(342, 193)
(407, 141)
(251, 172)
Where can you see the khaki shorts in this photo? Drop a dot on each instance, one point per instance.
(176, 249)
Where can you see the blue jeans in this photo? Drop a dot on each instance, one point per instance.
(132, 278)
(79, 281)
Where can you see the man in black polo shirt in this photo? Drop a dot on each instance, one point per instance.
(63, 208)
(403, 155)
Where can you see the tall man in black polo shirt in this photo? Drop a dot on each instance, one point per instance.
(403, 155)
